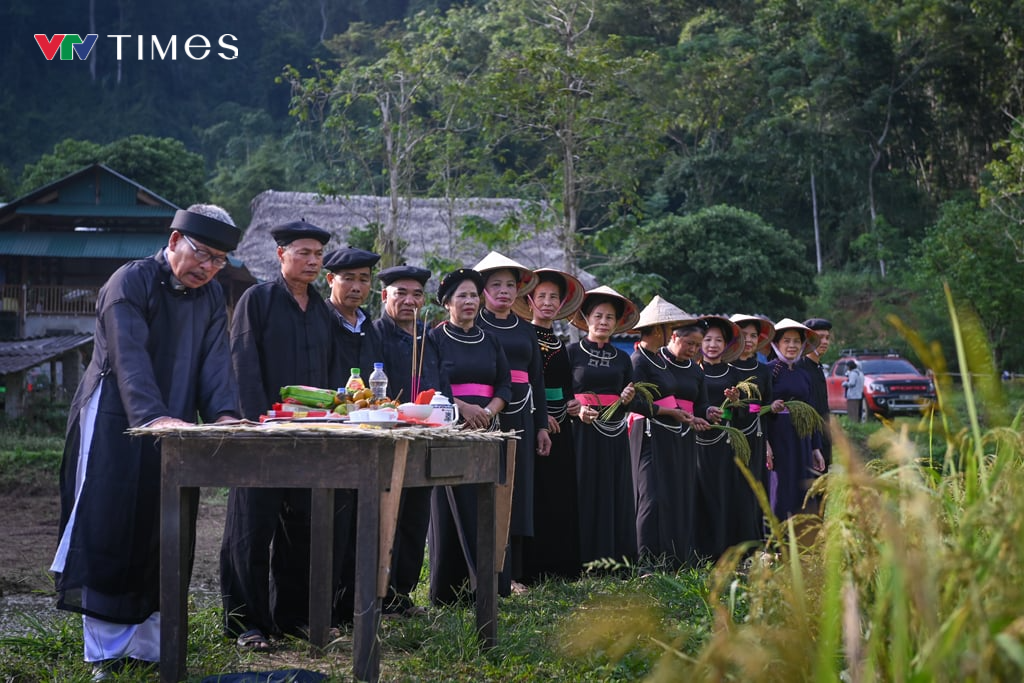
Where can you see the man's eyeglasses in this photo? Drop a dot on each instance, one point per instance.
(203, 256)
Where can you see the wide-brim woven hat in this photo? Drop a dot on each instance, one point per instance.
(765, 328)
(574, 291)
(661, 312)
(734, 346)
(810, 336)
(495, 261)
(630, 312)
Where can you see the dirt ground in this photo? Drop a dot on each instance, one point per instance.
(28, 538)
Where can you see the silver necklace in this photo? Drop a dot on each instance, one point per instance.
(603, 355)
(459, 338)
(716, 376)
(669, 360)
(741, 367)
(546, 345)
(651, 360)
(515, 322)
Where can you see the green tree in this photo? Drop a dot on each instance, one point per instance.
(66, 158)
(1003, 189)
(373, 112)
(162, 165)
(967, 247)
(562, 109)
(721, 260)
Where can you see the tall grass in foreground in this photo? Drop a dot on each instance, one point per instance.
(915, 573)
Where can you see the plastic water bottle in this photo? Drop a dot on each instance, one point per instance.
(355, 382)
(378, 382)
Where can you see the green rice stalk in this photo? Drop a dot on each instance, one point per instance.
(645, 390)
(806, 419)
(749, 392)
(738, 441)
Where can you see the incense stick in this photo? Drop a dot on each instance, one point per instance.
(414, 383)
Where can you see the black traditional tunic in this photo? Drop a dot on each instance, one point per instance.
(819, 401)
(749, 512)
(414, 508)
(665, 464)
(356, 349)
(526, 413)
(461, 358)
(717, 483)
(554, 548)
(158, 351)
(791, 453)
(607, 507)
(274, 343)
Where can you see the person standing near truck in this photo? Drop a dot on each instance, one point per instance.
(854, 385)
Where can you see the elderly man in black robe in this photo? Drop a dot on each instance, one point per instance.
(160, 358)
(402, 297)
(281, 334)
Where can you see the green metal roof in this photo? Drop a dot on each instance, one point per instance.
(116, 245)
(101, 210)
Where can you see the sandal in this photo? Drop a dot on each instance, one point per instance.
(253, 639)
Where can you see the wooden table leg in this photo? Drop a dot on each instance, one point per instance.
(365, 648)
(486, 571)
(175, 533)
(503, 503)
(321, 567)
(389, 504)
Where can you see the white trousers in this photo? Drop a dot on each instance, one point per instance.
(107, 640)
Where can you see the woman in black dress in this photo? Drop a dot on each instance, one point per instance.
(553, 550)
(797, 460)
(718, 484)
(602, 374)
(472, 370)
(662, 445)
(526, 412)
(756, 334)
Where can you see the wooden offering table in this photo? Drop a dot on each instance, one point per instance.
(378, 463)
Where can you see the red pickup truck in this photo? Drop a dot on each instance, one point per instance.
(892, 385)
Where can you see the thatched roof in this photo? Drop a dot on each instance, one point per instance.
(428, 226)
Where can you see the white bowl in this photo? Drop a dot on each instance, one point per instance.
(418, 411)
(383, 415)
(359, 415)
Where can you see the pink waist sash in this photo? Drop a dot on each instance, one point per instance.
(485, 390)
(673, 402)
(520, 377)
(600, 400)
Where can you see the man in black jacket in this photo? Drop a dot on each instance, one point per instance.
(811, 364)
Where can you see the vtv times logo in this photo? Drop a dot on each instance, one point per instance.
(195, 47)
(69, 44)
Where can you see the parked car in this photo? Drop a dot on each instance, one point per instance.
(892, 385)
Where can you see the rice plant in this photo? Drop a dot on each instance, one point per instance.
(916, 569)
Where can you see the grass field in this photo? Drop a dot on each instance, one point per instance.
(915, 574)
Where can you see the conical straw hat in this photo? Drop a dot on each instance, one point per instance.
(570, 304)
(661, 312)
(733, 347)
(765, 328)
(629, 316)
(496, 261)
(810, 336)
